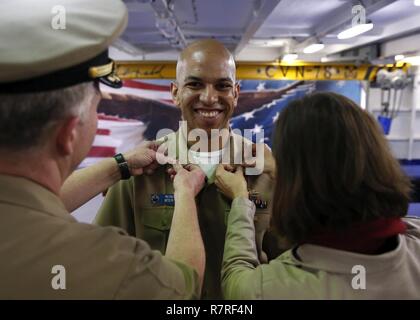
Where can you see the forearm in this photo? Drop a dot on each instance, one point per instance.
(240, 256)
(84, 184)
(185, 243)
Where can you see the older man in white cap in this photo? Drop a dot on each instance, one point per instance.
(49, 75)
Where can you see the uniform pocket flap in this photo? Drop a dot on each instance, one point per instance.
(158, 218)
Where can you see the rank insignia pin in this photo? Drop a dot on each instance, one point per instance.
(254, 196)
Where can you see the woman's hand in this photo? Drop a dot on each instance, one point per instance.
(232, 185)
(268, 160)
(187, 179)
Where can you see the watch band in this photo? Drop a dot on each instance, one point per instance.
(123, 166)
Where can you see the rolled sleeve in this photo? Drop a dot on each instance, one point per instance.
(153, 276)
(240, 278)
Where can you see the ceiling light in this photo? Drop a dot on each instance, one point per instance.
(267, 42)
(413, 60)
(355, 30)
(417, 3)
(289, 57)
(315, 47)
(399, 57)
(275, 43)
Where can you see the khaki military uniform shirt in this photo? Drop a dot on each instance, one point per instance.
(129, 204)
(38, 237)
(317, 272)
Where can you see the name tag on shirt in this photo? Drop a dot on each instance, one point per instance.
(162, 199)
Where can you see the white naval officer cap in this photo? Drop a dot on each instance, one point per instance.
(52, 44)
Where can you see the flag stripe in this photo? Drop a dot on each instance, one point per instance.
(142, 93)
(145, 86)
(105, 117)
(103, 132)
(107, 141)
(102, 151)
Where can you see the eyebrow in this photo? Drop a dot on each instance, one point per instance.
(192, 78)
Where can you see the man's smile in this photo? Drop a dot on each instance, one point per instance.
(208, 114)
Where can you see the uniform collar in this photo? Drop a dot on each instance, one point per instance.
(23, 192)
(339, 261)
(178, 142)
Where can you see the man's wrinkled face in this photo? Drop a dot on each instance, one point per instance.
(205, 90)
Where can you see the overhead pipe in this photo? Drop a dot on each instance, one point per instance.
(167, 23)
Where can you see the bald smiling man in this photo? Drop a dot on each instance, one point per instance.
(207, 93)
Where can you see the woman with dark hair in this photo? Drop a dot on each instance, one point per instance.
(339, 201)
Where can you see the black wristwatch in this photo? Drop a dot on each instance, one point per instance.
(123, 166)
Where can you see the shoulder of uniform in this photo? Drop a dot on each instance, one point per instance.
(413, 226)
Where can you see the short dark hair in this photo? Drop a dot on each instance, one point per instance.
(334, 168)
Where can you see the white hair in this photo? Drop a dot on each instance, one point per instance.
(26, 119)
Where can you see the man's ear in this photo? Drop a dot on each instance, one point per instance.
(236, 90)
(174, 92)
(67, 136)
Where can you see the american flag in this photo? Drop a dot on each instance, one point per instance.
(114, 135)
(119, 131)
(263, 118)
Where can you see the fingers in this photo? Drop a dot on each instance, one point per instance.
(151, 153)
(249, 164)
(160, 141)
(189, 169)
(239, 171)
(174, 170)
(158, 145)
(177, 167)
(220, 170)
(171, 172)
(229, 167)
(151, 168)
(153, 145)
(162, 158)
(148, 145)
(224, 168)
(192, 167)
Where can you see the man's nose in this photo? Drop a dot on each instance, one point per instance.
(209, 95)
